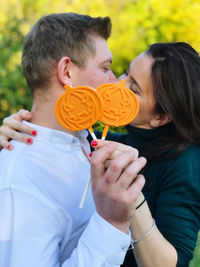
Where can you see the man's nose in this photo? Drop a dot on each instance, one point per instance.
(112, 77)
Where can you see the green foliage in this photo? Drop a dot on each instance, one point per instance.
(13, 90)
(99, 126)
(136, 25)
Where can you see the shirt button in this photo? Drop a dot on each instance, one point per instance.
(124, 248)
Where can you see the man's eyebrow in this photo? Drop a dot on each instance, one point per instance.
(109, 60)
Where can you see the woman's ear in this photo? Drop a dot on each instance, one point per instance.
(160, 120)
(63, 71)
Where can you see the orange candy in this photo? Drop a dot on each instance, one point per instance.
(78, 108)
(81, 107)
(120, 104)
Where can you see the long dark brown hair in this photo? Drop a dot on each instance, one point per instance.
(176, 87)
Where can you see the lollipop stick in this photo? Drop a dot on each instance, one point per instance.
(91, 131)
(105, 131)
(85, 193)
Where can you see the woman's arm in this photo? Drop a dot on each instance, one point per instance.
(152, 250)
(11, 128)
(176, 192)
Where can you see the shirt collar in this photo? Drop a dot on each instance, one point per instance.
(55, 137)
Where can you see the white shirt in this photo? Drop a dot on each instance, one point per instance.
(41, 224)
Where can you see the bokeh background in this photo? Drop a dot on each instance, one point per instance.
(136, 25)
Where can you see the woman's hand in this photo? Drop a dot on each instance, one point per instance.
(11, 128)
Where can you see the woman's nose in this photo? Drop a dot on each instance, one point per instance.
(122, 77)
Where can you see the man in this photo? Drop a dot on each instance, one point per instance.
(41, 186)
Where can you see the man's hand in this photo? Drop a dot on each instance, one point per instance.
(116, 188)
(11, 126)
(120, 148)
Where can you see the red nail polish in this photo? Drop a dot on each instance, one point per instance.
(29, 141)
(9, 147)
(90, 155)
(34, 133)
(94, 143)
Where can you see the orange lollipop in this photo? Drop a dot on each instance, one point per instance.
(79, 108)
(120, 105)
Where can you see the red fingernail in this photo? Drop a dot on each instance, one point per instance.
(94, 143)
(29, 141)
(34, 133)
(9, 147)
(90, 155)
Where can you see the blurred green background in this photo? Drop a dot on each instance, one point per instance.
(136, 25)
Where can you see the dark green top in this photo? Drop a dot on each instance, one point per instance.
(172, 191)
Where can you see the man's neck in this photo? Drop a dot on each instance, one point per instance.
(43, 115)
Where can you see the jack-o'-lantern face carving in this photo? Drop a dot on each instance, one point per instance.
(78, 108)
(120, 104)
(81, 107)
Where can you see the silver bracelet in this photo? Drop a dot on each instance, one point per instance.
(143, 236)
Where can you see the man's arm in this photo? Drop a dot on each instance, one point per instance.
(31, 228)
(31, 234)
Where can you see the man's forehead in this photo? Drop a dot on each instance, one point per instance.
(104, 56)
(101, 48)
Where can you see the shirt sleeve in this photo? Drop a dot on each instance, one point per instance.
(30, 235)
(101, 244)
(178, 204)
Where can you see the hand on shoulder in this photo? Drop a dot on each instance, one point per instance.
(11, 128)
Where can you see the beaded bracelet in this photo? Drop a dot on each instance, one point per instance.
(140, 204)
(133, 241)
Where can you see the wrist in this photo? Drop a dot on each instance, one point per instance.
(142, 221)
(134, 241)
(141, 203)
(139, 199)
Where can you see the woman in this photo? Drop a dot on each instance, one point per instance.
(166, 80)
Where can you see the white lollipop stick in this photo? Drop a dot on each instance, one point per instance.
(91, 131)
(85, 193)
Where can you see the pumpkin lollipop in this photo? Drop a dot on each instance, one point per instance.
(79, 108)
(120, 108)
(120, 105)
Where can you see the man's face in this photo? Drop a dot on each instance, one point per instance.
(97, 69)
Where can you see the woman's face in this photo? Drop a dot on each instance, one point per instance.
(138, 79)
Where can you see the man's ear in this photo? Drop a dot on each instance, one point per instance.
(64, 72)
(160, 120)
